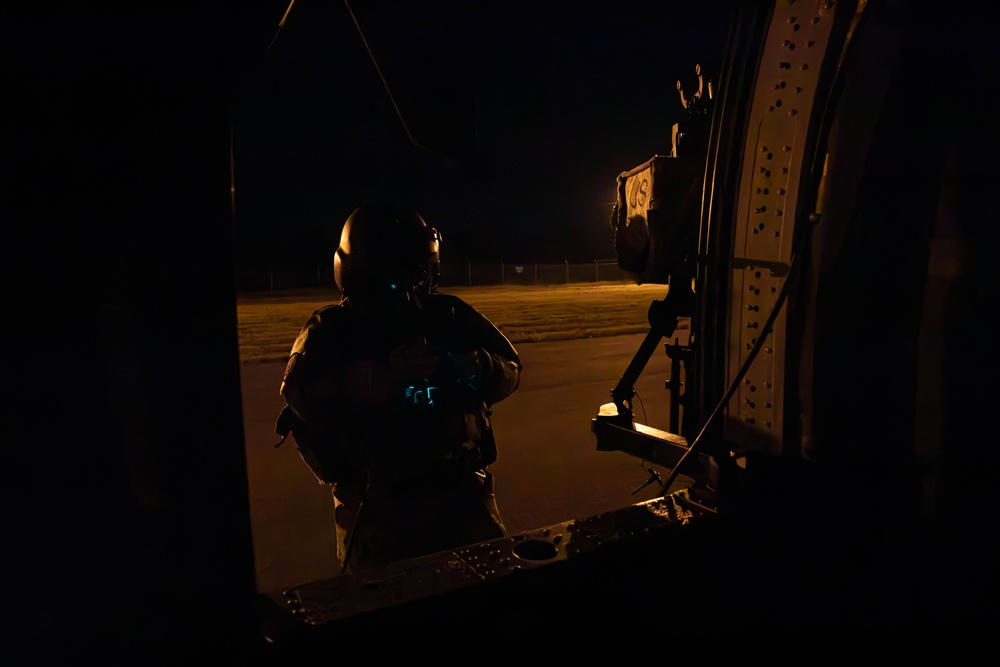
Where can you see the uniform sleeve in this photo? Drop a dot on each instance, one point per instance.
(496, 376)
(305, 387)
(484, 358)
(321, 385)
(313, 391)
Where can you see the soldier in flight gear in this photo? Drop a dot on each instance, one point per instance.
(389, 396)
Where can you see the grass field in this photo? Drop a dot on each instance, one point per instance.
(269, 321)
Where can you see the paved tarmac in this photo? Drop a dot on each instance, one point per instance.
(549, 469)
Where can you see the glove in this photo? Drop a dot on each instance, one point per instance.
(470, 367)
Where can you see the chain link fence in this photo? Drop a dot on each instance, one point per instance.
(470, 274)
(473, 274)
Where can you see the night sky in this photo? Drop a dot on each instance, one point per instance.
(514, 119)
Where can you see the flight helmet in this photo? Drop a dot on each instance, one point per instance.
(386, 249)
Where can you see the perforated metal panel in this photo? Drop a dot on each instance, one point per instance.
(783, 103)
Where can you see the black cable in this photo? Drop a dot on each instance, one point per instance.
(281, 24)
(385, 84)
(758, 346)
(349, 547)
(642, 406)
(816, 173)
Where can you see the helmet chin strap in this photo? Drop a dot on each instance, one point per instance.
(417, 298)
